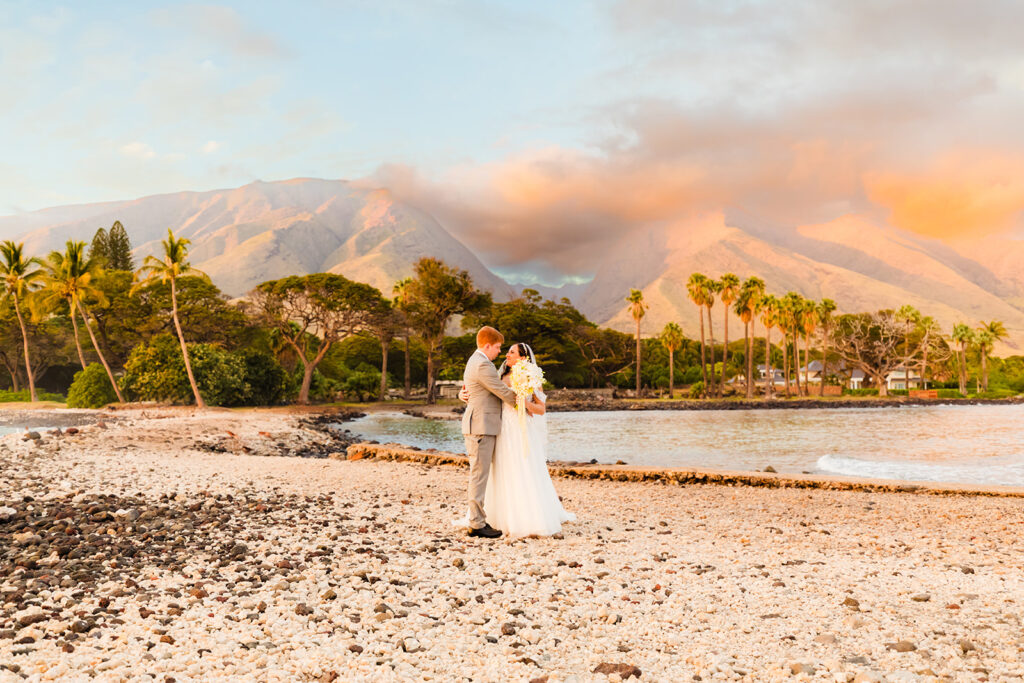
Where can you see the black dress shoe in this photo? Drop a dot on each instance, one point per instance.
(486, 531)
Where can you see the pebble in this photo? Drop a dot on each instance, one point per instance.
(243, 564)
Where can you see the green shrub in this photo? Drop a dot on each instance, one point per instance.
(950, 393)
(219, 374)
(696, 390)
(690, 376)
(8, 396)
(268, 383)
(860, 392)
(91, 388)
(321, 388)
(156, 372)
(362, 384)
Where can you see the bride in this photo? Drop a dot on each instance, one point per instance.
(520, 498)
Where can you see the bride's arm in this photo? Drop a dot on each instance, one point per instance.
(535, 406)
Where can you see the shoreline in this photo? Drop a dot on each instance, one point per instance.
(683, 476)
(445, 411)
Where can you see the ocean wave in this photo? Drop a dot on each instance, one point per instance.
(996, 471)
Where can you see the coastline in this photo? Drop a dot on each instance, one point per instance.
(451, 411)
(245, 544)
(684, 476)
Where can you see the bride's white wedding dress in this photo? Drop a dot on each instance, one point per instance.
(520, 498)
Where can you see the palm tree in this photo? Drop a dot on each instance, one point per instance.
(729, 289)
(963, 335)
(824, 312)
(711, 287)
(988, 334)
(696, 287)
(795, 305)
(172, 266)
(769, 318)
(20, 277)
(789, 311)
(69, 279)
(401, 302)
(910, 317)
(929, 328)
(637, 309)
(748, 304)
(672, 339)
(808, 323)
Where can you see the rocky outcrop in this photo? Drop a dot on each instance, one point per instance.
(687, 476)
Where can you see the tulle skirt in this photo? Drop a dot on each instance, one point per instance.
(520, 498)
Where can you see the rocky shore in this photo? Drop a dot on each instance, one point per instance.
(172, 546)
(602, 403)
(570, 403)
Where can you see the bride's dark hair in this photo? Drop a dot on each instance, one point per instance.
(523, 353)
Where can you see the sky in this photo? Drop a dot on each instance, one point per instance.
(537, 132)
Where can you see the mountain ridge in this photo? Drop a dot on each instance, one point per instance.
(265, 230)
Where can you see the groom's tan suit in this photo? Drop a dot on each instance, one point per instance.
(480, 425)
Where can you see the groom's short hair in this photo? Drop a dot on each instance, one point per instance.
(487, 336)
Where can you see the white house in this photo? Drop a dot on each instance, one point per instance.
(900, 379)
(812, 373)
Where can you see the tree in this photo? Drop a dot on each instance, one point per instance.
(697, 289)
(637, 309)
(672, 338)
(711, 287)
(808, 323)
(870, 342)
(402, 303)
(20, 276)
(988, 334)
(436, 293)
(99, 250)
(770, 315)
(824, 311)
(789, 312)
(322, 306)
(173, 266)
(932, 345)
(384, 322)
(748, 304)
(729, 289)
(909, 316)
(119, 249)
(963, 336)
(70, 278)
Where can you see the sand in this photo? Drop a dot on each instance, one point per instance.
(176, 545)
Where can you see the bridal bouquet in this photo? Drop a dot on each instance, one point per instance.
(527, 379)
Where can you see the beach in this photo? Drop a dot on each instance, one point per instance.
(164, 544)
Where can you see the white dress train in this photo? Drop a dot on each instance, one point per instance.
(520, 498)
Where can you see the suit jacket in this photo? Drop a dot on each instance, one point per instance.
(486, 393)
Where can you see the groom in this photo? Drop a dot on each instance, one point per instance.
(482, 421)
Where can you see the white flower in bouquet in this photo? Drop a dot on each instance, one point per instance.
(527, 379)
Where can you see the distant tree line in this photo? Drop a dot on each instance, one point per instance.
(89, 323)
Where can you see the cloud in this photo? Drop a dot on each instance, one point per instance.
(137, 150)
(786, 113)
(211, 147)
(968, 193)
(216, 26)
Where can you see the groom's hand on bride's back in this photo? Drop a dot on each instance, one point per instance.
(464, 394)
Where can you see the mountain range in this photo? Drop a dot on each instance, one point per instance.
(267, 230)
